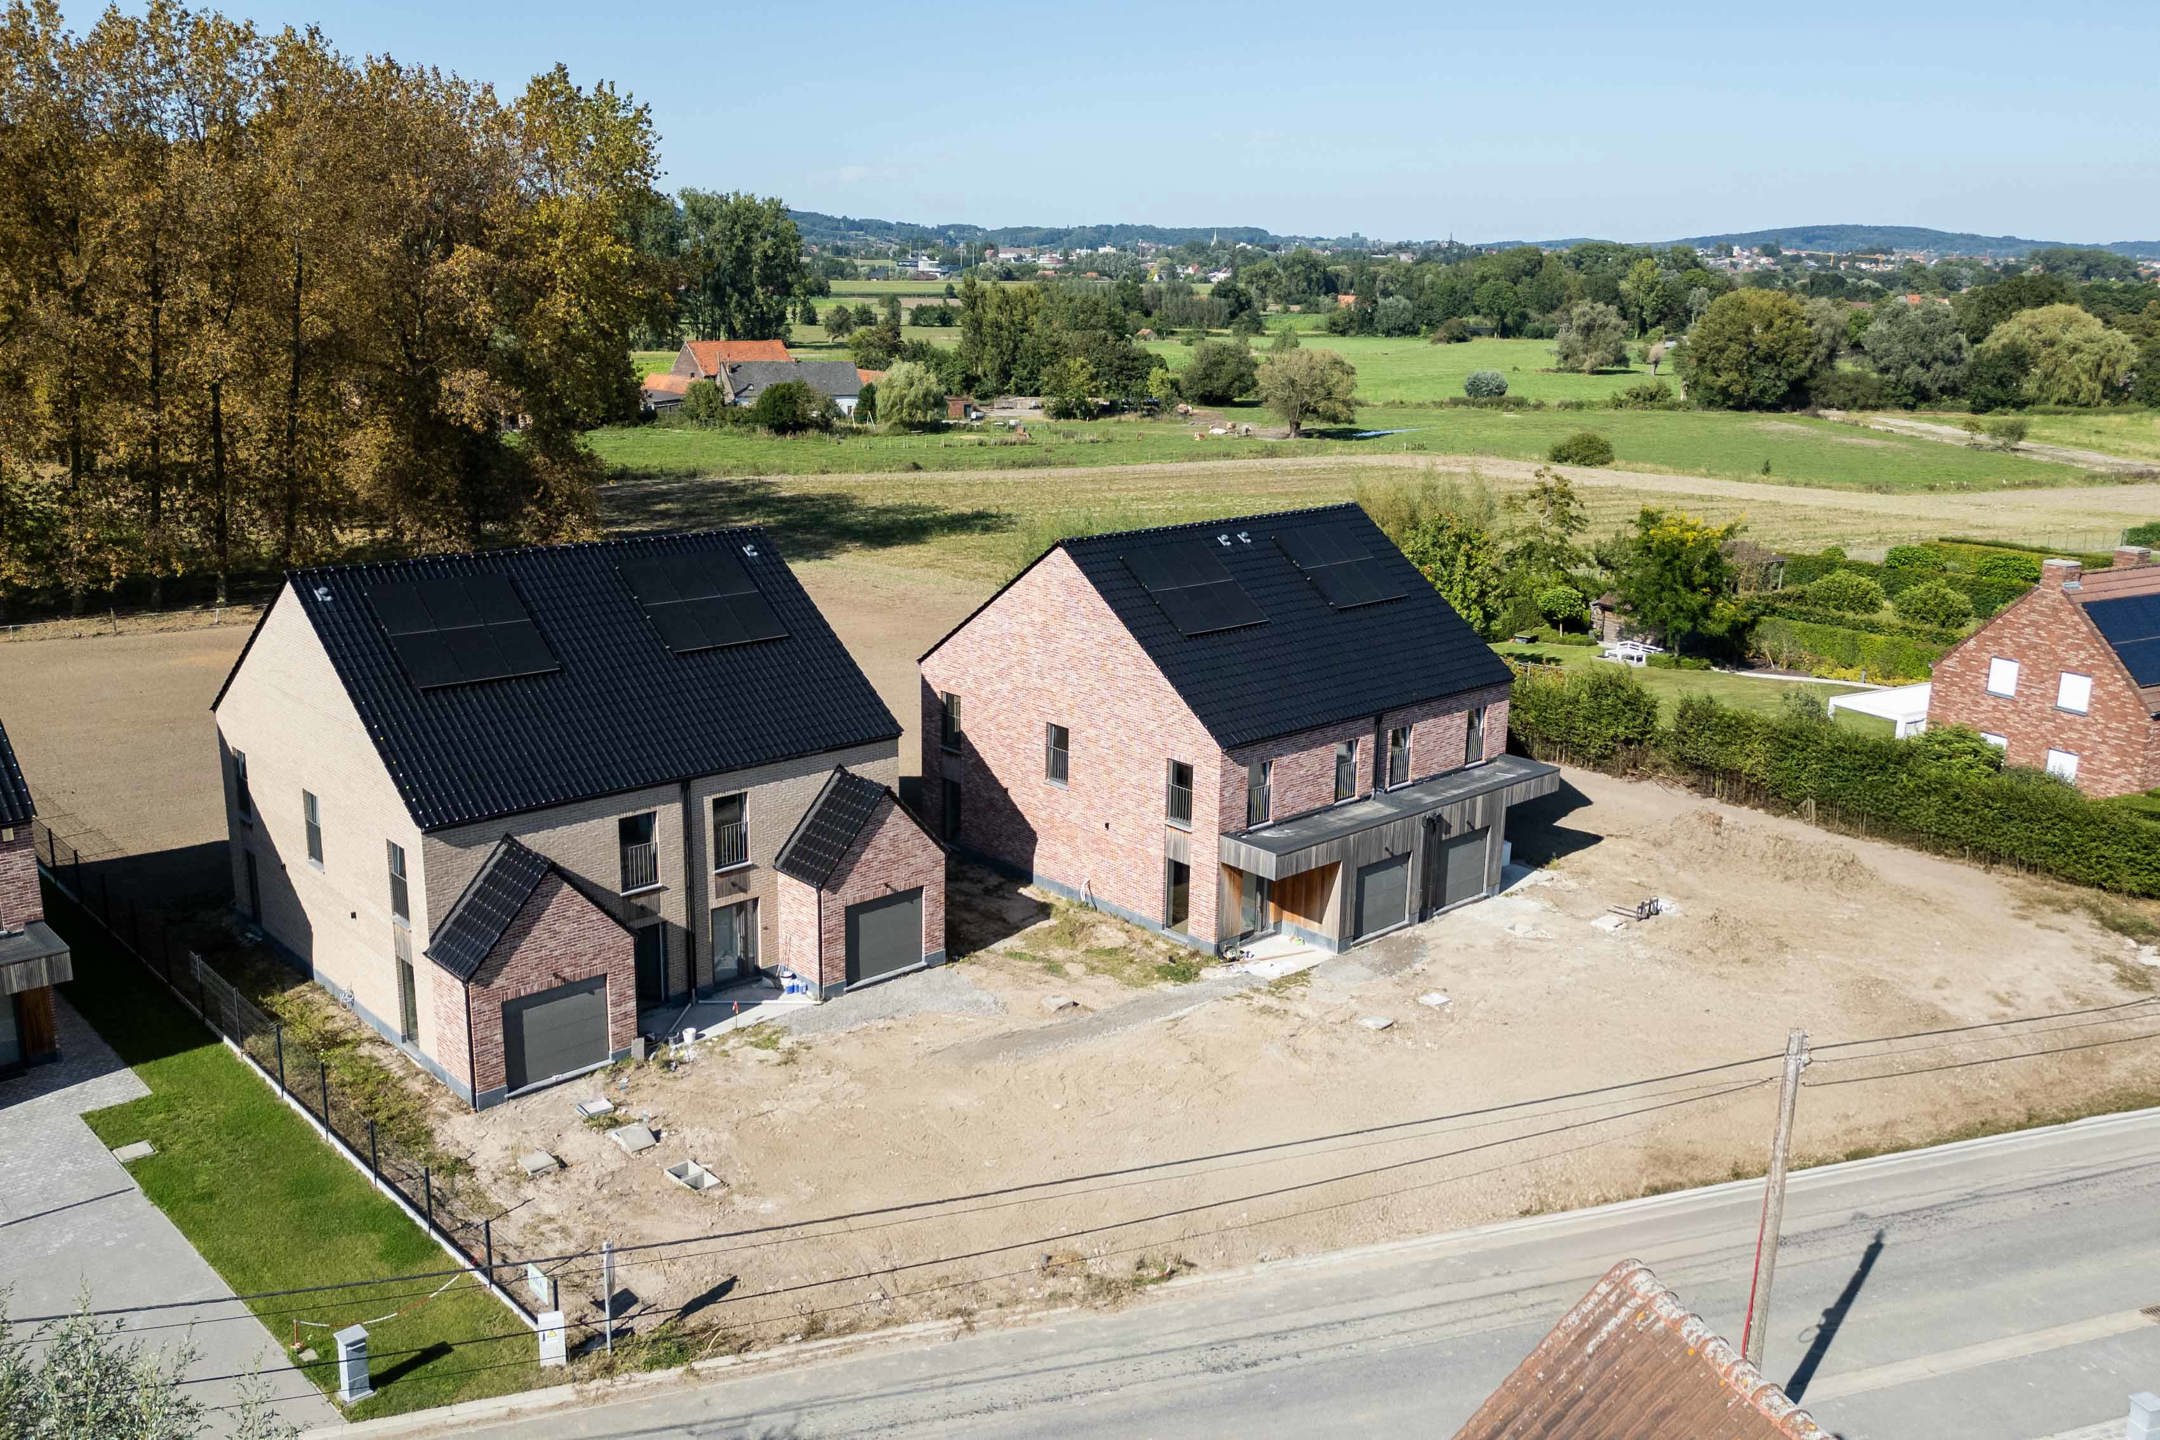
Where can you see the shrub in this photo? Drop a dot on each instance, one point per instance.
(1915, 560)
(1484, 385)
(1648, 395)
(1934, 603)
(1846, 390)
(1584, 447)
(1842, 652)
(2008, 565)
(1219, 372)
(2006, 432)
(791, 407)
(1452, 332)
(2146, 534)
(1590, 715)
(1846, 591)
(1678, 662)
(705, 405)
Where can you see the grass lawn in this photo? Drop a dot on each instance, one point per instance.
(2133, 434)
(1740, 692)
(271, 1206)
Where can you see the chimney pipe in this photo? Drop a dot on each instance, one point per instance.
(2132, 557)
(2060, 574)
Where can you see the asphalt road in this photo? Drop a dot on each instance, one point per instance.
(1989, 1291)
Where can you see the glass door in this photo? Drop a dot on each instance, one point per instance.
(1256, 913)
(651, 953)
(735, 940)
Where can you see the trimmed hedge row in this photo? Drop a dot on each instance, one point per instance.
(1897, 789)
(1778, 607)
(1809, 645)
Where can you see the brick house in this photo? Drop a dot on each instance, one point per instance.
(708, 359)
(32, 958)
(2067, 679)
(514, 807)
(1227, 730)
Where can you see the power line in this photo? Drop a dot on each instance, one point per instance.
(1989, 1060)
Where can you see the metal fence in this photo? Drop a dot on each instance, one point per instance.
(299, 1071)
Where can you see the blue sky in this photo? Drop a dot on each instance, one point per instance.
(1490, 121)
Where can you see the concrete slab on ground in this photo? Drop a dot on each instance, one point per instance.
(73, 1224)
(942, 991)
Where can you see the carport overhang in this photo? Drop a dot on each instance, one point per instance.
(32, 958)
(1380, 821)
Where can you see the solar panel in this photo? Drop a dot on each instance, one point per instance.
(1341, 567)
(1193, 589)
(705, 601)
(2131, 625)
(460, 630)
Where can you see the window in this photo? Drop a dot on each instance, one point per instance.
(1177, 894)
(640, 856)
(2000, 742)
(1474, 739)
(2063, 764)
(2002, 677)
(1346, 769)
(400, 896)
(1259, 775)
(735, 940)
(1398, 756)
(243, 798)
(312, 808)
(1057, 753)
(1177, 794)
(730, 833)
(949, 810)
(407, 992)
(949, 733)
(2073, 692)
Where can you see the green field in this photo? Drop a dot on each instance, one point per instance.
(1413, 371)
(2134, 434)
(1762, 696)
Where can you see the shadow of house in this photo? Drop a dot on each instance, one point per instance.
(1537, 831)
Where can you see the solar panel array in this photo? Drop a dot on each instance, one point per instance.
(460, 630)
(1341, 567)
(702, 601)
(2131, 624)
(1193, 589)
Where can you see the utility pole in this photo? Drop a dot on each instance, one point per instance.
(1773, 1211)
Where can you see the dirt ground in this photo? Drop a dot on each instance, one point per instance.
(1039, 1121)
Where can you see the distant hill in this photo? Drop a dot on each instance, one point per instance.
(1842, 238)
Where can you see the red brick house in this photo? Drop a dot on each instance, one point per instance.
(709, 359)
(1227, 730)
(514, 808)
(2067, 679)
(32, 958)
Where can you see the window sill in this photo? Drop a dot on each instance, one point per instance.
(724, 870)
(2002, 694)
(944, 749)
(1184, 825)
(2066, 710)
(1057, 784)
(317, 867)
(643, 890)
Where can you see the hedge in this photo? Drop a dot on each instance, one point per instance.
(1894, 789)
(1889, 659)
(1786, 605)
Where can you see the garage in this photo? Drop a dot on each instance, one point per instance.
(1383, 895)
(1462, 866)
(555, 1033)
(884, 936)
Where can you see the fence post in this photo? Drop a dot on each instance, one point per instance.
(322, 1073)
(374, 1154)
(427, 1189)
(277, 1033)
(487, 1245)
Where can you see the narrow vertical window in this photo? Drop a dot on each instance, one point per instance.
(407, 989)
(312, 808)
(1177, 794)
(949, 732)
(1346, 769)
(1398, 756)
(1259, 778)
(640, 854)
(1057, 754)
(730, 832)
(400, 895)
(1474, 739)
(243, 798)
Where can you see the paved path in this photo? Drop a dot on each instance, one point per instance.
(1990, 1291)
(72, 1221)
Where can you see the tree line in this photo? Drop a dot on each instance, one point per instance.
(263, 304)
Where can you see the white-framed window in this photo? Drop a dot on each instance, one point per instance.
(2002, 676)
(2062, 763)
(2073, 692)
(311, 810)
(2000, 742)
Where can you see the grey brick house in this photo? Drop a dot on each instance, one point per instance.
(1228, 730)
(504, 804)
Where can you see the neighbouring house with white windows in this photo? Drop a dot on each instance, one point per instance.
(2067, 679)
(515, 808)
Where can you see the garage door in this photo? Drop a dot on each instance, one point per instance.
(555, 1032)
(1383, 895)
(883, 936)
(1463, 862)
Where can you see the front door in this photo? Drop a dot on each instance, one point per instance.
(1177, 883)
(651, 964)
(735, 930)
(1256, 916)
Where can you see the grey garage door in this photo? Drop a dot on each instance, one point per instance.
(555, 1032)
(1463, 862)
(883, 936)
(1383, 895)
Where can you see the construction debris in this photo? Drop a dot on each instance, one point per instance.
(1434, 999)
(536, 1163)
(1376, 1022)
(633, 1138)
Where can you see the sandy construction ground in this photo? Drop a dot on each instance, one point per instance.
(949, 1143)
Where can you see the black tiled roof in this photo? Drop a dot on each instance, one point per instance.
(622, 713)
(1309, 664)
(16, 806)
(475, 924)
(828, 827)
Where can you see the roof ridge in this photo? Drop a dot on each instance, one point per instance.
(359, 567)
(1339, 505)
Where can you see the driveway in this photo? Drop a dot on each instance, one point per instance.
(72, 1223)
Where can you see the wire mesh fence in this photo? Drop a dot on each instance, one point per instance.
(300, 1072)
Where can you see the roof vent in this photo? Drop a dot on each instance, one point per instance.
(750, 550)
(1244, 537)
(1223, 540)
(322, 593)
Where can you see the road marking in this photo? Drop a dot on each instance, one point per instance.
(1973, 1357)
